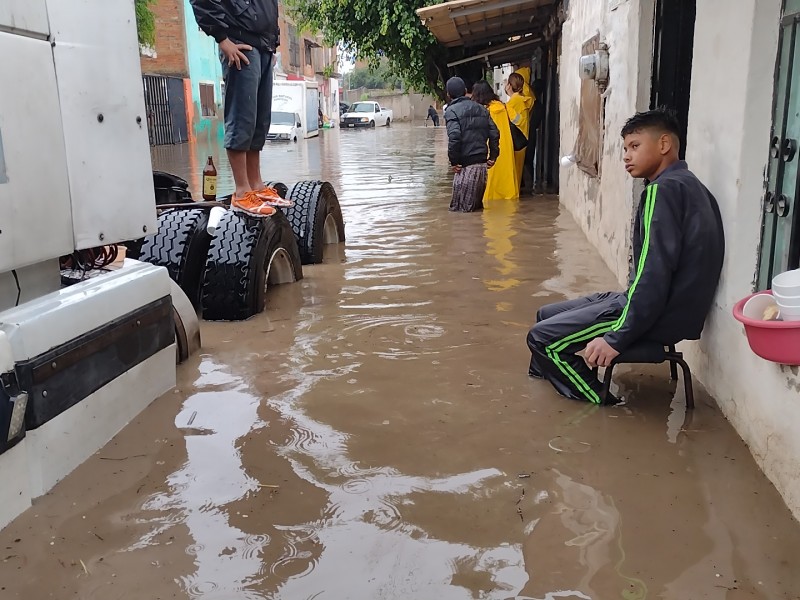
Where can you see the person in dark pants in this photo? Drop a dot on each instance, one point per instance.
(537, 118)
(247, 33)
(678, 245)
(433, 116)
(473, 145)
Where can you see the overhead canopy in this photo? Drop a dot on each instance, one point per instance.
(480, 23)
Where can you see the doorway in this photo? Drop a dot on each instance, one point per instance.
(673, 48)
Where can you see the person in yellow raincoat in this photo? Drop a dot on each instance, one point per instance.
(502, 182)
(519, 111)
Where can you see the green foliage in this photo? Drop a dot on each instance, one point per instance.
(145, 22)
(376, 29)
(379, 78)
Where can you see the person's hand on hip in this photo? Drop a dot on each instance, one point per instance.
(234, 53)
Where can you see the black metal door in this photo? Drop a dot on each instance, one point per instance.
(166, 112)
(177, 109)
(673, 48)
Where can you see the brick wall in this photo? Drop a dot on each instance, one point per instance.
(170, 40)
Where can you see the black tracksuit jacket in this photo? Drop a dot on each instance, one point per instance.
(678, 249)
(253, 22)
(469, 129)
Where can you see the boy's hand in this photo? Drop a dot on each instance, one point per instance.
(457, 168)
(490, 163)
(599, 353)
(233, 53)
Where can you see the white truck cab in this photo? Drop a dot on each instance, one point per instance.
(367, 114)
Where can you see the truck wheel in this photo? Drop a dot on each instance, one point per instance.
(187, 325)
(247, 255)
(372, 124)
(279, 187)
(388, 122)
(316, 218)
(181, 245)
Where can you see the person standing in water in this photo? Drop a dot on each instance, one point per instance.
(500, 182)
(433, 116)
(519, 109)
(473, 146)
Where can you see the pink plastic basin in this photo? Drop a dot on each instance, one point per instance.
(776, 341)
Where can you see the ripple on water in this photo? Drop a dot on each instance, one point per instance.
(198, 589)
(357, 486)
(424, 331)
(254, 544)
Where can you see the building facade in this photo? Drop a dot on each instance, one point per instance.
(729, 74)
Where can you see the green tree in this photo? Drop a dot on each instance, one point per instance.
(380, 78)
(376, 29)
(145, 22)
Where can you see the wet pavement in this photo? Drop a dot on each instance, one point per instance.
(374, 434)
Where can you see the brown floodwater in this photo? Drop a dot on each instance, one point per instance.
(374, 434)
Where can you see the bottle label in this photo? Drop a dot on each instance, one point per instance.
(209, 185)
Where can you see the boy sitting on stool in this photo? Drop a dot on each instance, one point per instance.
(678, 246)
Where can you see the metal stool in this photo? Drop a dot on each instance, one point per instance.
(653, 353)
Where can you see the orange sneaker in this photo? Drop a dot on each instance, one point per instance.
(251, 204)
(270, 196)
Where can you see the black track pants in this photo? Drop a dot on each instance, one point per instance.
(565, 328)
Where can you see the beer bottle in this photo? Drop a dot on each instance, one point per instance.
(210, 181)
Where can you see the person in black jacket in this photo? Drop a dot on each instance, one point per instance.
(473, 146)
(433, 116)
(247, 33)
(678, 249)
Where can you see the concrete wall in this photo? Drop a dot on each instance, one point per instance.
(604, 206)
(406, 107)
(728, 144)
(728, 141)
(170, 48)
(204, 67)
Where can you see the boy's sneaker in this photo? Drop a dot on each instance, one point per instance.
(251, 204)
(270, 196)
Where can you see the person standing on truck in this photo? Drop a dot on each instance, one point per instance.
(248, 35)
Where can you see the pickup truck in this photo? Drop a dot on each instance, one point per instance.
(366, 114)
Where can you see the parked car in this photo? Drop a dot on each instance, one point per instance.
(285, 126)
(367, 114)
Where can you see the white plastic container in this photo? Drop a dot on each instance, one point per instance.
(789, 313)
(755, 306)
(786, 300)
(787, 284)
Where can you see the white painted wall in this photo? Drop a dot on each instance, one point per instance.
(604, 206)
(728, 139)
(729, 130)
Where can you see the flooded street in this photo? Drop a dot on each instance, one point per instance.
(375, 435)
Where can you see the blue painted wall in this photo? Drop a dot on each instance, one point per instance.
(204, 67)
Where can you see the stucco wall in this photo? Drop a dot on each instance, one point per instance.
(204, 67)
(604, 206)
(729, 129)
(728, 139)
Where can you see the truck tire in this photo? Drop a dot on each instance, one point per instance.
(372, 124)
(388, 122)
(316, 218)
(246, 255)
(181, 245)
(279, 187)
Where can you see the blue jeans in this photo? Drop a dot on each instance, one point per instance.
(248, 101)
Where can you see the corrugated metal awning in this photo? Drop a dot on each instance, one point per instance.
(481, 22)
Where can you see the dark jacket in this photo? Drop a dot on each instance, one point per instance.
(469, 129)
(678, 249)
(253, 22)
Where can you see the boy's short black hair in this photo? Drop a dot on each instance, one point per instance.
(662, 120)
